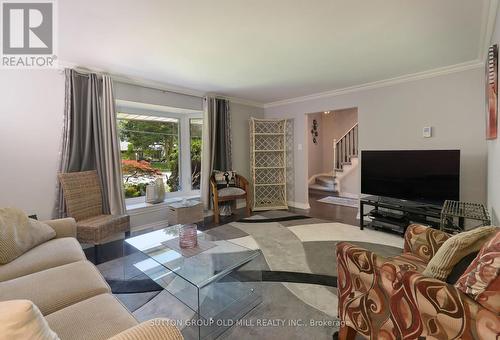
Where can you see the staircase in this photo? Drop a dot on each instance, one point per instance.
(345, 159)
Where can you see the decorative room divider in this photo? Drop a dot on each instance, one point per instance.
(268, 163)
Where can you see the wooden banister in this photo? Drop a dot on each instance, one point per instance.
(345, 148)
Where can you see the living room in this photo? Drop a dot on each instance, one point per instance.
(268, 170)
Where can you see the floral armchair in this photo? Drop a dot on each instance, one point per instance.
(389, 298)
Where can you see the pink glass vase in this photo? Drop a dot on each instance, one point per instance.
(188, 237)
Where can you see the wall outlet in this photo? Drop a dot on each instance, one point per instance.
(427, 132)
(299, 147)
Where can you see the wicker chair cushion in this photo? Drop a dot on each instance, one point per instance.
(231, 191)
(82, 192)
(96, 229)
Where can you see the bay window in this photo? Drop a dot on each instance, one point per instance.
(164, 145)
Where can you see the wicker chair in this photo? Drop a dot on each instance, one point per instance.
(82, 193)
(240, 191)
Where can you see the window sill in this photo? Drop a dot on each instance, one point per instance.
(134, 208)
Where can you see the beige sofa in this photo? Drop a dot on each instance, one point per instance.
(71, 293)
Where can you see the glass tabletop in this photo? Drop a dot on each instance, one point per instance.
(200, 269)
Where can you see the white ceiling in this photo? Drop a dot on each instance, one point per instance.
(266, 51)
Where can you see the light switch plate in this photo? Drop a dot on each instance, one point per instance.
(427, 132)
(299, 147)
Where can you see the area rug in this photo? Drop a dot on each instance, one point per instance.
(344, 201)
(298, 270)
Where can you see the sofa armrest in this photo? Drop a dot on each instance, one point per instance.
(360, 273)
(423, 241)
(388, 298)
(155, 329)
(438, 310)
(64, 227)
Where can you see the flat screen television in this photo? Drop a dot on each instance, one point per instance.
(428, 176)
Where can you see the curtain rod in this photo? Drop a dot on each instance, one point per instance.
(144, 83)
(140, 82)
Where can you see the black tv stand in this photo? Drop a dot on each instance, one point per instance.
(396, 214)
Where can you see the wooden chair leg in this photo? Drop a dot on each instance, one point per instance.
(216, 211)
(346, 333)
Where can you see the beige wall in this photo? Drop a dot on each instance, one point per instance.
(31, 121)
(494, 154)
(315, 163)
(392, 117)
(240, 116)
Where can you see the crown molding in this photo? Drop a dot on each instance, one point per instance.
(155, 85)
(127, 79)
(383, 83)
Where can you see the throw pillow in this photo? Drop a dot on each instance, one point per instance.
(225, 179)
(481, 280)
(18, 234)
(21, 319)
(454, 249)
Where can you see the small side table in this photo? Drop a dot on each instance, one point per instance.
(454, 213)
(185, 212)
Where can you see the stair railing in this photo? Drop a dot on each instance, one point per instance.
(345, 148)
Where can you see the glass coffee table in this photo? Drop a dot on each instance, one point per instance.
(207, 280)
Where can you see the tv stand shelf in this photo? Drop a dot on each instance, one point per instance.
(398, 213)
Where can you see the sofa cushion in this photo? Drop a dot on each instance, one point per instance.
(57, 287)
(99, 317)
(151, 330)
(481, 280)
(423, 241)
(18, 234)
(47, 255)
(454, 249)
(64, 227)
(414, 262)
(21, 319)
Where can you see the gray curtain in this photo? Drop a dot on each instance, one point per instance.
(90, 137)
(216, 146)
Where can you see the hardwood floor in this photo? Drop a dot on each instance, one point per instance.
(326, 211)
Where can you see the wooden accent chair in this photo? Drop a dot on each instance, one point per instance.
(241, 190)
(82, 193)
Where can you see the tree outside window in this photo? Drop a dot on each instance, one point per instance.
(150, 149)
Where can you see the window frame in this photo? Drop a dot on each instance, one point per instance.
(184, 140)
